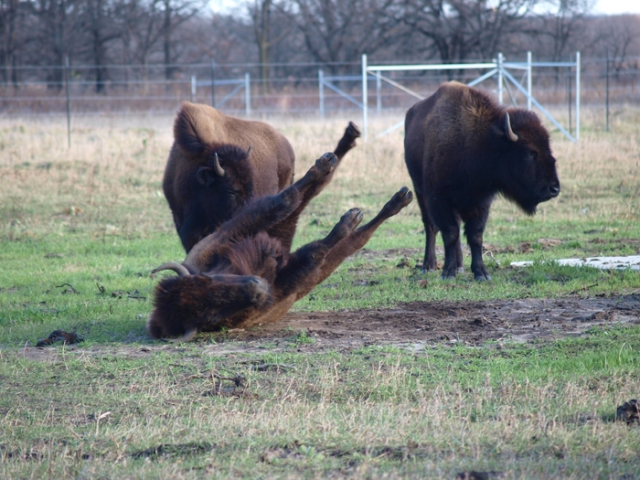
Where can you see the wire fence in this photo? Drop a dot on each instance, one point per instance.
(289, 89)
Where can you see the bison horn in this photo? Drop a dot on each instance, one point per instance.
(216, 166)
(180, 269)
(187, 337)
(249, 150)
(512, 136)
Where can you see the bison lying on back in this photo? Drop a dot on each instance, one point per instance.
(244, 273)
(217, 163)
(462, 149)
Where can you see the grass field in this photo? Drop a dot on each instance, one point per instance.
(81, 227)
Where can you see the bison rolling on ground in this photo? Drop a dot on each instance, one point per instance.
(245, 274)
(461, 149)
(217, 163)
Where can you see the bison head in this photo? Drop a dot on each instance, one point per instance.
(218, 184)
(528, 168)
(189, 303)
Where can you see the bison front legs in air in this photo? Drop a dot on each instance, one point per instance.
(245, 274)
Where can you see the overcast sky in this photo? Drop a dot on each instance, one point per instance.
(610, 7)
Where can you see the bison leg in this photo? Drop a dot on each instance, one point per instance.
(474, 230)
(359, 237)
(348, 140)
(269, 213)
(304, 266)
(316, 175)
(448, 222)
(286, 230)
(431, 231)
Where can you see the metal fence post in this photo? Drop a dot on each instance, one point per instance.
(378, 93)
(194, 86)
(529, 80)
(66, 87)
(213, 84)
(321, 91)
(607, 93)
(247, 94)
(569, 93)
(365, 95)
(577, 96)
(500, 78)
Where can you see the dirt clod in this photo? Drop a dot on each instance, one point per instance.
(629, 412)
(67, 338)
(473, 475)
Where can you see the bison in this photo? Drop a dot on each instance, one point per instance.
(217, 163)
(243, 275)
(461, 149)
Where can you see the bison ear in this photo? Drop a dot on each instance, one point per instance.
(206, 176)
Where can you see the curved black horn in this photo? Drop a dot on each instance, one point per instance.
(512, 136)
(216, 166)
(180, 269)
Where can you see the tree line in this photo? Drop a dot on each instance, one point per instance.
(274, 33)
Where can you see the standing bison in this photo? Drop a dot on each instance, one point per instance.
(461, 149)
(217, 163)
(245, 274)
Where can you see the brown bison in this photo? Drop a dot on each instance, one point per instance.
(461, 149)
(217, 163)
(242, 275)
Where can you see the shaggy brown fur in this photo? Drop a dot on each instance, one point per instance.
(461, 149)
(253, 160)
(243, 275)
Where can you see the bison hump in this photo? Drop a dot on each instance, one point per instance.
(196, 127)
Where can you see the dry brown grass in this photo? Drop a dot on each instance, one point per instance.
(111, 174)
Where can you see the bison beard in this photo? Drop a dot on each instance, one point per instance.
(245, 274)
(461, 149)
(219, 163)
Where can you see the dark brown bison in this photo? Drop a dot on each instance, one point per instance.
(242, 275)
(461, 149)
(217, 163)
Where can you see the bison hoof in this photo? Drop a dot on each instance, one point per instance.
(400, 199)
(326, 163)
(347, 224)
(351, 219)
(482, 277)
(352, 131)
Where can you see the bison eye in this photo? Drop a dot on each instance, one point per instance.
(533, 155)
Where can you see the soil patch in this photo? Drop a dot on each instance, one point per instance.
(411, 325)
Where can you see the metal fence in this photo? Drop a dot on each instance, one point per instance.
(291, 89)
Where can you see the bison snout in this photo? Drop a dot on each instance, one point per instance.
(554, 190)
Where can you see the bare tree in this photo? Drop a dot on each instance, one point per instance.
(59, 34)
(456, 30)
(100, 24)
(13, 36)
(262, 14)
(339, 31)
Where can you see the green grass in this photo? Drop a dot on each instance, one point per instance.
(81, 229)
(531, 411)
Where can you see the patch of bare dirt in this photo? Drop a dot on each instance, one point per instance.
(472, 323)
(412, 325)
